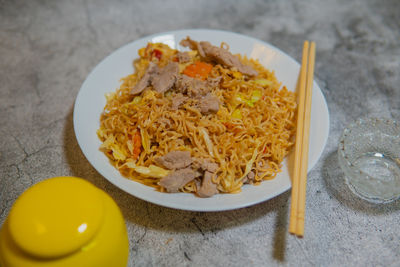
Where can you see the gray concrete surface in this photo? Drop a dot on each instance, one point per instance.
(47, 48)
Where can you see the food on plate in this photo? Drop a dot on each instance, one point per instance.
(201, 121)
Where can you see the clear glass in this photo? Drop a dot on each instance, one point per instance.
(369, 154)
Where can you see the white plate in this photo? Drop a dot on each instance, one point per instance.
(106, 78)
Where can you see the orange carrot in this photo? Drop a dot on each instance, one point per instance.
(199, 70)
(137, 144)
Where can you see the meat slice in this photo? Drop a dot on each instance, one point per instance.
(205, 164)
(192, 45)
(151, 70)
(178, 100)
(214, 82)
(175, 160)
(220, 55)
(192, 87)
(177, 179)
(166, 77)
(225, 58)
(208, 104)
(183, 57)
(207, 188)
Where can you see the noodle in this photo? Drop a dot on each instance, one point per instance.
(247, 138)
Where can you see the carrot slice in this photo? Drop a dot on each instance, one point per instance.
(198, 70)
(137, 145)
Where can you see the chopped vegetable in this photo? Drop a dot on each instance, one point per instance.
(255, 96)
(117, 153)
(238, 99)
(237, 74)
(156, 53)
(145, 140)
(137, 145)
(236, 114)
(199, 70)
(110, 144)
(137, 99)
(250, 163)
(207, 140)
(151, 171)
(263, 82)
(241, 99)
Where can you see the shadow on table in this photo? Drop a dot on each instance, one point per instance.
(149, 215)
(334, 180)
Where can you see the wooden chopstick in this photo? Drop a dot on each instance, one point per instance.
(297, 212)
(299, 138)
(304, 156)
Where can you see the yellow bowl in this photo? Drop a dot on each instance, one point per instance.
(64, 221)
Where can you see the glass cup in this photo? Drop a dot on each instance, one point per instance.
(369, 155)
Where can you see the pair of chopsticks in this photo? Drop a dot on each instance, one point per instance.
(298, 204)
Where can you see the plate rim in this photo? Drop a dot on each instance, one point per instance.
(179, 206)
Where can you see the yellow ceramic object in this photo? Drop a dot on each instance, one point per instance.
(64, 221)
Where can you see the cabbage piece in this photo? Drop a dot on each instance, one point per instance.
(129, 144)
(136, 100)
(255, 96)
(236, 114)
(263, 82)
(250, 163)
(237, 74)
(241, 99)
(207, 140)
(151, 171)
(110, 144)
(145, 140)
(118, 153)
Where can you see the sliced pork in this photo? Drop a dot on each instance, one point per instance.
(166, 77)
(219, 55)
(224, 57)
(207, 188)
(177, 179)
(204, 164)
(192, 87)
(209, 104)
(151, 70)
(175, 160)
(193, 45)
(178, 100)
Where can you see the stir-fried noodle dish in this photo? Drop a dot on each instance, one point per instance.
(203, 121)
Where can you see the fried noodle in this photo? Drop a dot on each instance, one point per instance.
(251, 132)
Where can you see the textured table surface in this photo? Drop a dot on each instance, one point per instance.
(47, 48)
